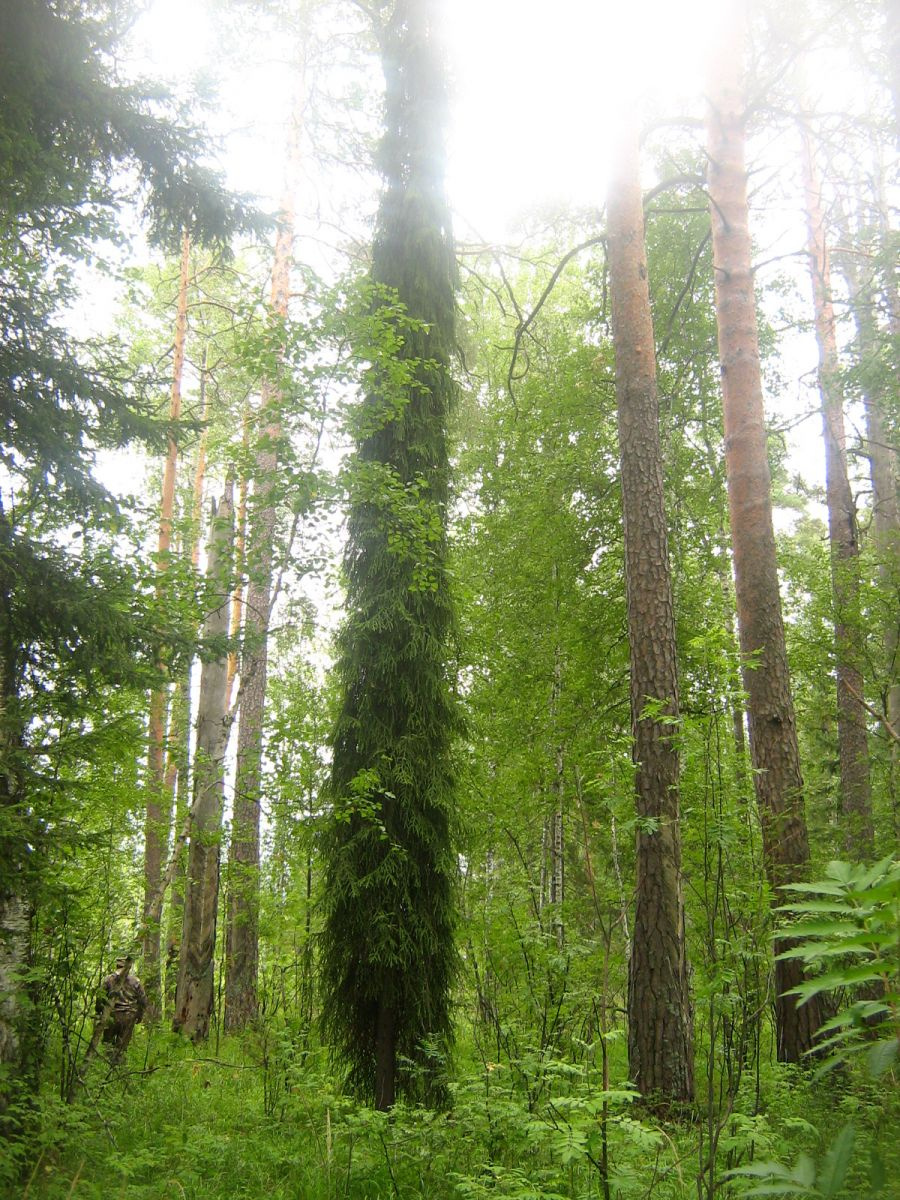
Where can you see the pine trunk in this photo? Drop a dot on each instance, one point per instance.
(194, 993)
(158, 813)
(774, 750)
(843, 537)
(660, 1039)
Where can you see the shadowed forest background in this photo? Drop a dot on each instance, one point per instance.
(458, 675)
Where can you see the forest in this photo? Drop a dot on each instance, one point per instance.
(449, 673)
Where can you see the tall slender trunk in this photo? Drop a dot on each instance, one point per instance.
(180, 751)
(158, 814)
(15, 903)
(843, 537)
(774, 750)
(242, 930)
(557, 787)
(885, 512)
(15, 941)
(194, 994)
(240, 550)
(660, 1037)
(181, 703)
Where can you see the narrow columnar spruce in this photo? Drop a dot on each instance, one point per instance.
(388, 950)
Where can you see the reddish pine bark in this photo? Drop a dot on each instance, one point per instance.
(660, 1039)
(158, 811)
(770, 710)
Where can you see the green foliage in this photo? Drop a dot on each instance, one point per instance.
(388, 953)
(848, 935)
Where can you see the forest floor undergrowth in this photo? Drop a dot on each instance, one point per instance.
(259, 1117)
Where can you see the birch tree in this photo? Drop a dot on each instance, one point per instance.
(158, 814)
(195, 991)
(843, 536)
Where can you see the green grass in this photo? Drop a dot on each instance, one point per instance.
(258, 1118)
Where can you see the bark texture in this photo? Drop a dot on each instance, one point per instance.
(242, 930)
(770, 710)
(15, 935)
(883, 477)
(194, 993)
(158, 813)
(660, 1041)
(843, 537)
(180, 737)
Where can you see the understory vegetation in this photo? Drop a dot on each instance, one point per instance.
(460, 679)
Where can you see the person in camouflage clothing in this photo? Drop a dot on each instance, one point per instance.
(120, 1005)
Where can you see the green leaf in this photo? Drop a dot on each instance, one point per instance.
(882, 1056)
(837, 1161)
(877, 1172)
(805, 1171)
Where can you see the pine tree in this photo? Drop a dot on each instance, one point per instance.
(388, 952)
(774, 749)
(660, 1034)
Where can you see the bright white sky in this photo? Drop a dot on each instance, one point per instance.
(536, 86)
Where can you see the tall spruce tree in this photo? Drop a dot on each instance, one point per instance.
(388, 950)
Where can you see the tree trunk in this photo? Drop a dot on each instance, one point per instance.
(158, 814)
(555, 836)
(180, 751)
(385, 1057)
(885, 513)
(181, 704)
(660, 1039)
(240, 548)
(15, 899)
(843, 537)
(195, 990)
(774, 751)
(242, 930)
(15, 938)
